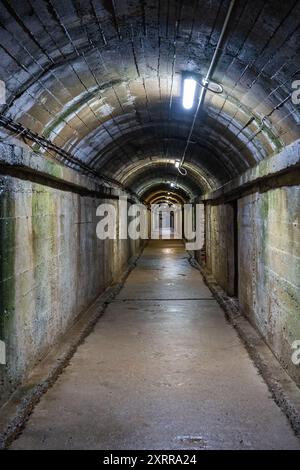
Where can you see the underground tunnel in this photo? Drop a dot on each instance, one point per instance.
(149, 224)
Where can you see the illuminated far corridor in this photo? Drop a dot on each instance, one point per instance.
(149, 224)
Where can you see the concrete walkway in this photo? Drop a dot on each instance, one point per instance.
(161, 370)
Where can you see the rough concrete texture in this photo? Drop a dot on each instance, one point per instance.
(219, 244)
(269, 268)
(265, 260)
(287, 161)
(52, 268)
(18, 156)
(165, 373)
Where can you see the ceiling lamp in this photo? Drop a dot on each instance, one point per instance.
(190, 83)
(189, 90)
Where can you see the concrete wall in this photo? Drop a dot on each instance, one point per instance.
(52, 268)
(219, 244)
(269, 268)
(268, 263)
(252, 248)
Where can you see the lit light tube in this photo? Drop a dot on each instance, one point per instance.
(189, 89)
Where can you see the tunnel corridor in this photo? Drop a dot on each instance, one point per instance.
(149, 224)
(165, 371)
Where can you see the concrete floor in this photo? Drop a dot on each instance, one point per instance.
(161, 370)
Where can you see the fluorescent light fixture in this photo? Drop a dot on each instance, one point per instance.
(177, 163)
(189, 89)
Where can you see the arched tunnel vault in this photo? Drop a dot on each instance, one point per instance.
(144, 174)
(102, 81)
(157, 190)
(164, 198)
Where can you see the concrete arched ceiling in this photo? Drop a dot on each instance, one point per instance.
(163, 197)
(101, 79)
(157, 190)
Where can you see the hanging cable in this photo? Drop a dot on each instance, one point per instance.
(61, 155)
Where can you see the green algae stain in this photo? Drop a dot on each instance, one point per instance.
(54, 169)
(44, 246)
